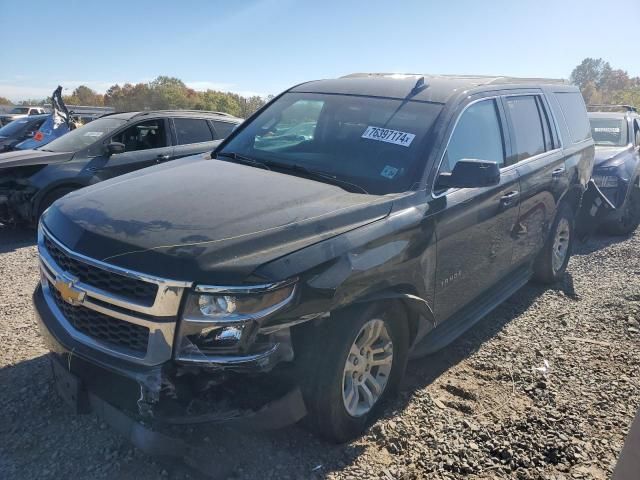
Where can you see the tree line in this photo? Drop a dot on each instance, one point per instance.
(163, 93)
(598, 82)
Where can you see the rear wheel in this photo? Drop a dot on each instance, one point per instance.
(630, 216)
(359, 359)
(554, 257)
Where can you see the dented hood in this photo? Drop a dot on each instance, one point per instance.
(206, 220)
(23, 158)
(609, 155)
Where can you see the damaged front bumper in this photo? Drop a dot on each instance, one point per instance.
(143, 402)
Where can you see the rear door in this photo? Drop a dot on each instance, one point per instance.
(193, 136)
(537, 155)
(474, 227)
(146, 143)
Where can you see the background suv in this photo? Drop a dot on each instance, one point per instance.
(616, 131)
(349, 224)
(31, 180)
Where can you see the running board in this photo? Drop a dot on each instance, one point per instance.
(453, 327)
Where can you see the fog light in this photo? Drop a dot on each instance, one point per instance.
(219, 336)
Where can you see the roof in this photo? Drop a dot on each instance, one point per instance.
(620, 115)
(438, 88)
(175, 113)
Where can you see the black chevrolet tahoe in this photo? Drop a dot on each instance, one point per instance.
(31, 180)
(347, 226)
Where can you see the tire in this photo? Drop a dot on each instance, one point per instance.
(329, 369)
(630, 217)
(552, 261)
(51, 197)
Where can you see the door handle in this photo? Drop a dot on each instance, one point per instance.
(558, 172)
(162, 158)
(509, 199)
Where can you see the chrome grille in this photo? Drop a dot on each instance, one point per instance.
(130, 288)
(116, 333)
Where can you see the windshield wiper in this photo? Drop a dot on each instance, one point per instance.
(317, 175)
(238, 157)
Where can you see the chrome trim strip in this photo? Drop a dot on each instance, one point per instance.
(505, 168)
(229, 360)
(244, 289)
(168, 296)
(111, 268)
(160, 334)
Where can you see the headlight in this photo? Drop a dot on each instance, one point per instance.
(606, 181)
(220, 320)
(230, 307)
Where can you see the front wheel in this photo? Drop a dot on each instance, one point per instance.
(359, 359)
(554, 257)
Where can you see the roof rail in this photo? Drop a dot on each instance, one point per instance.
(601, 107)
(484, 79)
(148, 112)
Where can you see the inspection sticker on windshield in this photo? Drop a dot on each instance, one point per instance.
(93, 134)
(607, 129)
(390, 136)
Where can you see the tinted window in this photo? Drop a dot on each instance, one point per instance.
(142, 136)
(192, 130)
(478, 135)
(20, 110)
(575, 113)
(609, 131)
(527, 126)
(223, 129)
(374, 143)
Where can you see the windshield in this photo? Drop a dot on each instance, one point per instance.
(609, 131)
(84, 136)
(13, 128)
(20, 110)
(372, 143)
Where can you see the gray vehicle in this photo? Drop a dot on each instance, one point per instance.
(616, 132)
(31, 180)
(20, 112)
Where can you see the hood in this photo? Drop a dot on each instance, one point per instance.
(23, 158)
(207, 221)
(609, 156)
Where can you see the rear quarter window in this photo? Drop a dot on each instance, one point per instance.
(575, 114)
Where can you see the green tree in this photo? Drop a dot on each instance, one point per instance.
(5, 101)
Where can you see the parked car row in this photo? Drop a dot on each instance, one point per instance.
(347, 226)
(20, 112)
(31, 180)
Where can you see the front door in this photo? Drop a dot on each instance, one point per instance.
(474, 226)
(146, 144)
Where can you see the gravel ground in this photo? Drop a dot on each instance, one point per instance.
(481, 408)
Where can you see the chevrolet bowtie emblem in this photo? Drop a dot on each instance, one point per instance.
(68, 292)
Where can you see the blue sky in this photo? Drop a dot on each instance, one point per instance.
(265, 46)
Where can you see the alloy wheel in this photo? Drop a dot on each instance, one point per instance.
(560, 244)
(367, 369)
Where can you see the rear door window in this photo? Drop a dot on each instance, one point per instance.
(223, 129)
(575, 114)
(192, 130)
(478, 136)
(527, 127)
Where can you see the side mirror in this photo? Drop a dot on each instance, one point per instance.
(469, 173)
(114, 148)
